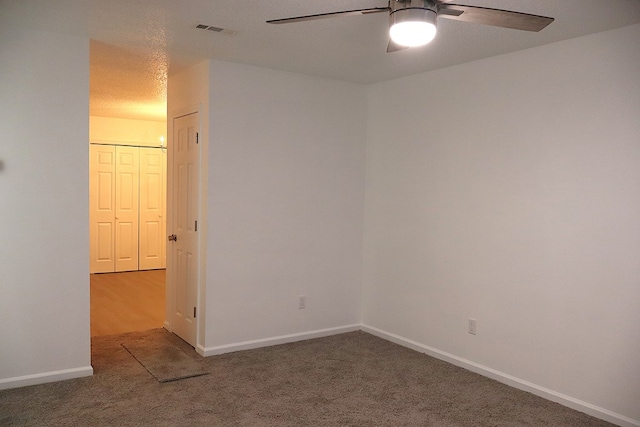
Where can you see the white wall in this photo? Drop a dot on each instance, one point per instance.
(286, 197)
(44, 264)
(508, 190)
(119, 131)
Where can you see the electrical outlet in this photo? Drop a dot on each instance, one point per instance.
(302, 302)
(472, 326)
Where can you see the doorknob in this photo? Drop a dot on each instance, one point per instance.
(173, 238)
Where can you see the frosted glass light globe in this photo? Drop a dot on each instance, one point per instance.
(412, 33)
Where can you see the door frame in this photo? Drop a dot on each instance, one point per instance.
(170, 299)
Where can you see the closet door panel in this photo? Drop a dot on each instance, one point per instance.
(152, 229)
(102, 208)
(126, 215)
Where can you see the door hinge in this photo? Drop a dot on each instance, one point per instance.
(197, 137)
(196, 226)
(194, 312)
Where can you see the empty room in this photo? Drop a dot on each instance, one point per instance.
(360, 229)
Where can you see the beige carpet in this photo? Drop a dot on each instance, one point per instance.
(352, 379)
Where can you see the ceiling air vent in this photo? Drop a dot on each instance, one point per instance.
(215, 29)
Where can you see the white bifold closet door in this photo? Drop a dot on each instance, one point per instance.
(152, 219)
(127, 205)
(102, 209)
(126, 208)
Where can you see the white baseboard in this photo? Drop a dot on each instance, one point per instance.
(282, 339)
(568, 401)
(45, 377)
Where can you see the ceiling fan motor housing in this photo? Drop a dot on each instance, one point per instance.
(396, 5)
(412, 22)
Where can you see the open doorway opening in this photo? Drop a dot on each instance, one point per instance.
(127, 302)
(127, 145)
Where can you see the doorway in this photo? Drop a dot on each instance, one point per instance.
(128, 225)
(118, 79)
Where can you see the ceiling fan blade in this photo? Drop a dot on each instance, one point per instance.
(494, 17)
(394, 47)
(328, 15)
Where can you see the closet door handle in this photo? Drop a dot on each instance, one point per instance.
(173, 238)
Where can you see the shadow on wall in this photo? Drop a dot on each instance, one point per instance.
(1, 165)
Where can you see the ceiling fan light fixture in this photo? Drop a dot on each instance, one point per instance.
(413, 27)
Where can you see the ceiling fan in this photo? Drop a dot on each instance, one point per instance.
(412, 23)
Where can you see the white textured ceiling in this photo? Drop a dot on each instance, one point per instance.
(136, 43)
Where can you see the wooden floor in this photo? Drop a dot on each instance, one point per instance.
(127, 302)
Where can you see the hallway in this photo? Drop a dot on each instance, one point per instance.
(127, 302)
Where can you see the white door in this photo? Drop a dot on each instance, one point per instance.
(126, 215)
(152, 225)
(164, 207)
(102, 201)
(185, 207)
